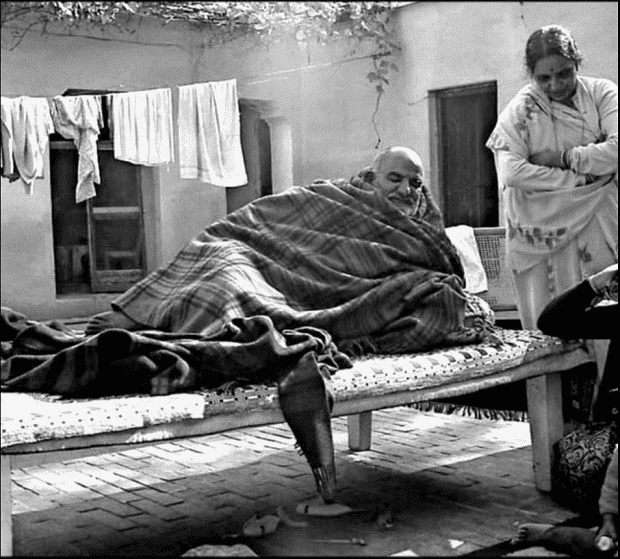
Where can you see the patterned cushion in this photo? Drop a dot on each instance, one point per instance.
(30, 418)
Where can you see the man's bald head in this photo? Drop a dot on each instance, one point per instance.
(398, 173)
(398, 154)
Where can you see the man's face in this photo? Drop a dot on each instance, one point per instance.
(399, 177)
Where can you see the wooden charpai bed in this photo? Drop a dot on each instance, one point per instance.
(44, 430)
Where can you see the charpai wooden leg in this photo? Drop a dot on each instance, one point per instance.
(544, 408)
(360, 430)
(7, 520)
(599, 348)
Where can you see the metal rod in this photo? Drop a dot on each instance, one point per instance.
(352, 541)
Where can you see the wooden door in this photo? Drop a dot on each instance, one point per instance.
(462, 119)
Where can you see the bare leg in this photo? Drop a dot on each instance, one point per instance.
(531, 533)
(567, 539)
(607, 536)
(111, 319)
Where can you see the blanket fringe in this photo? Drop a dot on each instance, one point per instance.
(325, 479)
(470, 411)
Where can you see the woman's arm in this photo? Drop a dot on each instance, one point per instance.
(600, 158)
(516, 172)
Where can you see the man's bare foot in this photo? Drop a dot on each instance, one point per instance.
(606, 536)
(530, 533)
(111, 319)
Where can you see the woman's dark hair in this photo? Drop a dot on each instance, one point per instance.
(550, 40)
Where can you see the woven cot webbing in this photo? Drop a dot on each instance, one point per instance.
(492, 248)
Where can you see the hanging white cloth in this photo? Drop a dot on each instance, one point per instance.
(26, 126)
(142, 128)
(6, 118)
(210, 134)
(79, 118)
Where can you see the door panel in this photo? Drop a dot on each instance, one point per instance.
(468, 181)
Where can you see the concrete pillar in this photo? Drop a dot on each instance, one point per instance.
(281, 153)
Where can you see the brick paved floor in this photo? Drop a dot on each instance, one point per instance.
(455, 485)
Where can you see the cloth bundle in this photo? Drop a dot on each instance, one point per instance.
(462, 237)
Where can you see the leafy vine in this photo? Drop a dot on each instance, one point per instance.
(358, 22)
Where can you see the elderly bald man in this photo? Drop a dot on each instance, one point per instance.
(398, 176)
(396, 173)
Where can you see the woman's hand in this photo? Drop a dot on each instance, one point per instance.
(547, 158)
(602, 279)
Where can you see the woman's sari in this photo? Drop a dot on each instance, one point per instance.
(561, 224)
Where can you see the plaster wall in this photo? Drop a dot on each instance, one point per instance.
(320, 91)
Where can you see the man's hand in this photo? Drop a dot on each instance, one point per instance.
(602, 279)
(547, 158)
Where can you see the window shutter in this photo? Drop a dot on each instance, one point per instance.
(116, 225)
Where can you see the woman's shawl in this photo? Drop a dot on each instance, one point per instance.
(542, 221)
(341, 258)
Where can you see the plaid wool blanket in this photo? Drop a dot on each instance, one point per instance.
(261, 295)
(51, 358)
(339, 258)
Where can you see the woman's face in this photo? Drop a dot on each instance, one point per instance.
(556, 76)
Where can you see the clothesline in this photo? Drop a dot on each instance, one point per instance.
(141, 127)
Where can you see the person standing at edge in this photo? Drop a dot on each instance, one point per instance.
(556, 152)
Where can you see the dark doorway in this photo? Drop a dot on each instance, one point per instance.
(264, 157)
(256, 147)
(461, 120)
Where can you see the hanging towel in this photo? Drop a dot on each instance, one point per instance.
(143, 127)
(464, 240)
(26, 126)
(79, 118)
(210, 134)
(8, 160)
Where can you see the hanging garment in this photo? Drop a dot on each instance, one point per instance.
(79, 119)
(210, 134)
(142, 129)
(26, 126)
(6, 129)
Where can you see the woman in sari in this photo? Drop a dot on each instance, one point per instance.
(556, 153)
